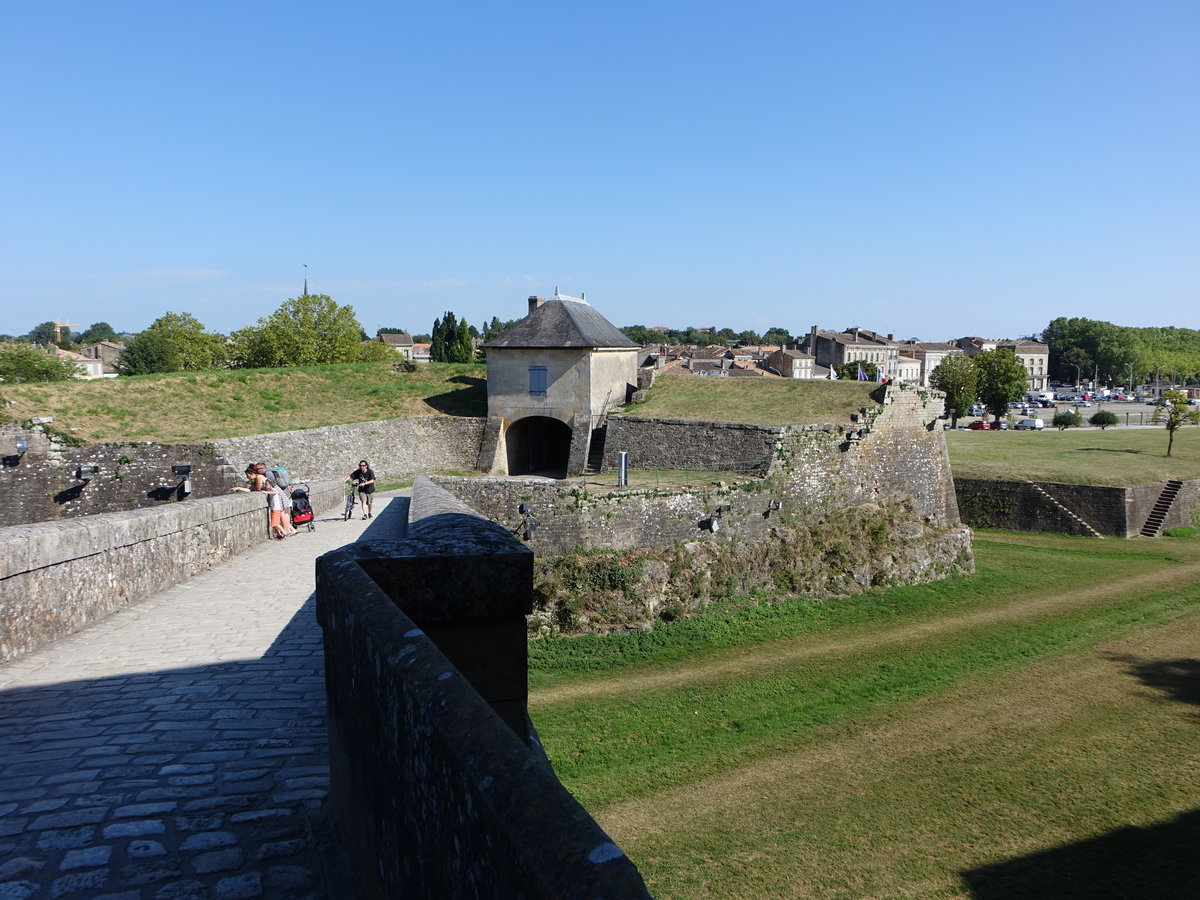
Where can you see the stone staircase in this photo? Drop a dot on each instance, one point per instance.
(595, 460)
(1087, 528)
(1154, 521)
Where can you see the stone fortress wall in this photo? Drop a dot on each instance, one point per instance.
(42, 485)
(1083, 509)
(840, 509)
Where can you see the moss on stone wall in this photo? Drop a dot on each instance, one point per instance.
(847, 552)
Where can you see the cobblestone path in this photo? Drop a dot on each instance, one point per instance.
(177, 750)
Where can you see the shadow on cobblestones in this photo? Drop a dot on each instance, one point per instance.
(201, 782)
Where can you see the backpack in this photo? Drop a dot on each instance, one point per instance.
(281, 477)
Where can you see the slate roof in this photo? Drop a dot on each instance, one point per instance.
(563, 322)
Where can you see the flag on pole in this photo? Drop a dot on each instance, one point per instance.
(862, 375)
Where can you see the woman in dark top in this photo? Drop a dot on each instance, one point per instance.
(364, 477)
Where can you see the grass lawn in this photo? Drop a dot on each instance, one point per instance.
(1004, 731)
(200, 406)
(765, 401)
(1116, 456)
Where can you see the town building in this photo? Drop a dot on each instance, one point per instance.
(1034, 356)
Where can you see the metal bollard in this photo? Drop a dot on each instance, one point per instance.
(622, 468)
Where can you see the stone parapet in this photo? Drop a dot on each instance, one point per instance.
(437, 781)
(59, 577)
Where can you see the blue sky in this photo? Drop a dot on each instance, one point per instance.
(931, 169)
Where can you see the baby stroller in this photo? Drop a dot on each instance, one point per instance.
(302, 511)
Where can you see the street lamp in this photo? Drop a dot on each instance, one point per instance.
(1078, 373)
(1129, 389)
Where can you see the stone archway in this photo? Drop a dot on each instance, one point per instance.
(538, 445)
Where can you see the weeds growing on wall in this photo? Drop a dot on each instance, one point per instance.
(850, 550)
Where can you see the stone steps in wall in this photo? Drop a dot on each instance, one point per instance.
(595, 460)
(1070, 513)
(1162, 506)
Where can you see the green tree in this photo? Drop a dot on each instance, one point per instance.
(776, 336)
(956, 377)
(376, 351)
(24, 363)
(749, 338)
(98, 331)
(174, 342)
(640, 334)
(1103, 419)
(311, 330)
(437, 342)
(1066, 419)
(461, 348)
(379, 331)
(1002, 380)
(1174, 413)
(42, 333)
(849, 371)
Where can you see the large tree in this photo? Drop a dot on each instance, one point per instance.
(1002, 380)
(98, 331)
(956, 377)
(1174, 413)
(311, 330)
(174, 342)
(21, 363)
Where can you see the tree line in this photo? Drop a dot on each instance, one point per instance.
(1090, 350)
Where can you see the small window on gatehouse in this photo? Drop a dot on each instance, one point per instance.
(537, 380)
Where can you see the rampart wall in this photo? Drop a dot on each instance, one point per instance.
(437, 779)
(43, 483)
(396, 448)
(59, 577)
(1048, 506)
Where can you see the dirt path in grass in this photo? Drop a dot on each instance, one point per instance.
(746, 662)
(918, 768)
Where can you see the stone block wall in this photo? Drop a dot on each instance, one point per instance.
(59, 577)
(43, 484)
(1111, 511)
(396, 448)
(686, 444)
(1184, 511)
(436, 794)
(1013, 505)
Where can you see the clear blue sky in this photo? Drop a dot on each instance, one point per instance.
(931, 169)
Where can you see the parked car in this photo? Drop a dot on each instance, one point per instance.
(1082, 403)
(978, 410)
(980, 426)
(1030, 425)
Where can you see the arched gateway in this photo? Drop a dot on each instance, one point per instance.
(538, 445)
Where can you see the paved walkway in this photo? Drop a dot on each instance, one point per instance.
(177, 750)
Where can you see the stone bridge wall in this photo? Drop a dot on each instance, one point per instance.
(437, 781)
(59, 577)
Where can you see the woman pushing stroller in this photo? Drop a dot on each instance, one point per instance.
(364, 478)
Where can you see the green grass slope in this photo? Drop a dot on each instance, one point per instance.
(764, 401)
(193, 407)
(1115, 456)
